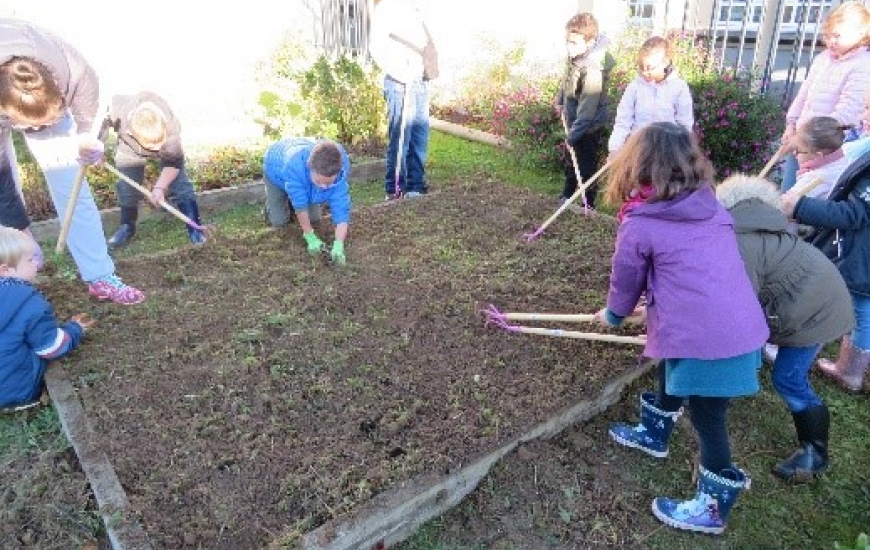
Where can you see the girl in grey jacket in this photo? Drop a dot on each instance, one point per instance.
(806, 303)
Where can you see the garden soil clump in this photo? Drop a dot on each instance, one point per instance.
(260, 392)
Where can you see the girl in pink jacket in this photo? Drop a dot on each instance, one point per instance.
(658, 94)
(837, 80)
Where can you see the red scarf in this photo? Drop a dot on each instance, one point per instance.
(637, 196)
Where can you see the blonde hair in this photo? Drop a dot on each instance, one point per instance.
(14, 244)
(654, 44)
(148, 126)
(849, 11)
(741, 187)
(664, 155)
(822, 134)
(28, 91)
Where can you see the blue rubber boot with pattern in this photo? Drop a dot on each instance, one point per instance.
(654, 431)
(708, 512)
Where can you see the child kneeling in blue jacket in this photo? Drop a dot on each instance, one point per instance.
(29, 333)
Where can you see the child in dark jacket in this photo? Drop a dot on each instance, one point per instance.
(29, 334)
(676, 246)
(842, 231)
(787, 273)
(582, 99)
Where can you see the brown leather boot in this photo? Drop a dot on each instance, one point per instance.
(850, 366)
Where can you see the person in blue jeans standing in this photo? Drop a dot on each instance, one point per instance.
(304, 173)
(402, 47)
(807, 305)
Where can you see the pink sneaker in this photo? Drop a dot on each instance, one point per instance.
(112, 288)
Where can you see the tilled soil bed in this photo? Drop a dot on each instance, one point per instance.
(260, 392)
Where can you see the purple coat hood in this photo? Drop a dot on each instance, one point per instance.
(683, 254)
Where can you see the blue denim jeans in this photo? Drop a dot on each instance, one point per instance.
(788, 170)
(790, 377)
(415, 140)
(861, 334)
(180, 190)
(709, 417)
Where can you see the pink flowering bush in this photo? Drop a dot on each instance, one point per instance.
(528, 119)
(737, 127)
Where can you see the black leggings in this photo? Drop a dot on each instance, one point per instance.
(709, 417)
(12, 210)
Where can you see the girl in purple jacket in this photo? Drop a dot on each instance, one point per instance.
(677, 247)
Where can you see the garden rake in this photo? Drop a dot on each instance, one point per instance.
(77, 188)
(581, 190)
(207, 229)
(773, 160)
(499, 319)
(400, 150)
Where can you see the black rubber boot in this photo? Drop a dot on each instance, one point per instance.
(129, 215)
(811, 459)
(190, 208)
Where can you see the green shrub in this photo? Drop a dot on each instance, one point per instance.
(346, 101)
(335, 98)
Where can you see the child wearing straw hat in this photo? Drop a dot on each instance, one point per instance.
(147, 129)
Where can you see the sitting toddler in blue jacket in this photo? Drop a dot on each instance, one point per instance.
(29, 333)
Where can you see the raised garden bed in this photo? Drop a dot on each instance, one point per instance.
(260, 393)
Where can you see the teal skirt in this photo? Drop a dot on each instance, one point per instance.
(731, 377)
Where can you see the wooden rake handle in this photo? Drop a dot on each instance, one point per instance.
(773, 160)
(580, 335)
(171, 209)
(580, 190)
(808, 187)
(70, 209)
(564, 317)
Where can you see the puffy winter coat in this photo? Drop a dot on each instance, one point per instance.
(833, 87)
(842, 224)
(583, 95)
(29, 338)
(683, 254)
(645, 102)
(803, 294)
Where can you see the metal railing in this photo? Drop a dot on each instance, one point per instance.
(736, 32)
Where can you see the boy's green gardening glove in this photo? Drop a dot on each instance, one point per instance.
(315, 245)
(337, 253)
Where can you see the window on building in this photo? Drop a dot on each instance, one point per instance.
(641, 9)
